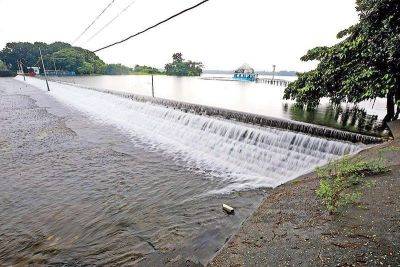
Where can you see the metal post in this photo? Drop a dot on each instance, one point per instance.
(152, 85)
(273, 71)
(44, 70)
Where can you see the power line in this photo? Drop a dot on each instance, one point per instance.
(151, 27)
(91, 24)
(111, 21)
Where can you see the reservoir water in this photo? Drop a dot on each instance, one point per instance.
(257, 98)
(92, 178)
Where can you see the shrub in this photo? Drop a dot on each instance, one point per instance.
(2, 66)
(341, 181)
(7, 73)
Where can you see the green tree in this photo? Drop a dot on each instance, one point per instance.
(65, 57)
(68, 59)
(180, 67)
(364, 65)
(146, 70)
(13, 52)
(99, 67)
(177, 57)
(85, 69)
(2, 66)
(117, 69)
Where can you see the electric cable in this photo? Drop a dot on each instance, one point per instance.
(93, 22)
(154, 26)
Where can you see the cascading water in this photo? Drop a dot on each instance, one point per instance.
(248, 118)
(247, 156)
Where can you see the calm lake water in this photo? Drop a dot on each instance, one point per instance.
(250, 97)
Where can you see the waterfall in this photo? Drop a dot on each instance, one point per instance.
(313, 129)
(245, 155)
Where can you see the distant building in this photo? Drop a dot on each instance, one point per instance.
(245, 73)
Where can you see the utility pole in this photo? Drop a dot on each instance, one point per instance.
(44, 70)
(21, 69)
(273, 71)
(152, 85)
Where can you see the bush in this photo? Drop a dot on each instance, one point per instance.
(7, 73)
(341, 181)
(2, 66)
(146, 70)
(117, 69)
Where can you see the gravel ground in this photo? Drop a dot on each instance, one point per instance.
(291, 228)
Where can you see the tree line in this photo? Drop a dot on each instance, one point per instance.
(60, 55)
(63, 56)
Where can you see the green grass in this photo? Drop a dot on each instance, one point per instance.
(342, 181)
(389, 149)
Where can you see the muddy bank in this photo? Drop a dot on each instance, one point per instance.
(291, 227)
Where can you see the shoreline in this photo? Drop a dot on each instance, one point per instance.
(291, 227)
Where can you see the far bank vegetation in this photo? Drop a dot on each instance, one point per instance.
(63, 56)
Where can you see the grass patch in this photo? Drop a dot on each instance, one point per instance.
(389, 149)
(342, 180)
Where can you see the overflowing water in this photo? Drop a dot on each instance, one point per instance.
(78, 193)
(91, 178)
(256, 98)
(245, 156)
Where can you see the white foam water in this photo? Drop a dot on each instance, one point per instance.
(244, 155)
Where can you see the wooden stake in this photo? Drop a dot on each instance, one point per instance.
(22, 70)
(44, 70)
(273, 72)
(152, 85)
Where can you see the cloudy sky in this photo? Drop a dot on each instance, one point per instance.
(222, 34)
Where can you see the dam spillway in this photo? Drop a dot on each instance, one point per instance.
(246, 155)
(248, 118)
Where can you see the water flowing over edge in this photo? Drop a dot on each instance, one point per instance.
(245, 117)
(245, 156)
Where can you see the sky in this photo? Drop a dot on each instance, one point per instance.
(223, 34)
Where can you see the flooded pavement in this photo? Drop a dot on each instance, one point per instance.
(75, 192)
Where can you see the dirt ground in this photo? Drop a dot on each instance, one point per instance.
(291, 227)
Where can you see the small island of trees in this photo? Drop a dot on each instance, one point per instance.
(181, 67)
